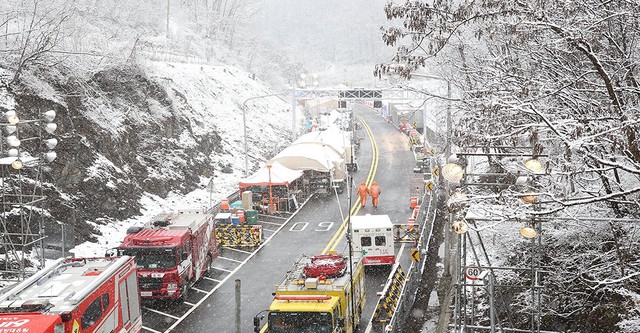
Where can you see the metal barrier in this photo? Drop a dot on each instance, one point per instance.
(389, 300)
(241, 235)
(406, 284)
(406, 233)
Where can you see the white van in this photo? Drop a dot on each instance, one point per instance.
(372, 237)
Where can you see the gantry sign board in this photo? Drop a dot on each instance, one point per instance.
(359, 94)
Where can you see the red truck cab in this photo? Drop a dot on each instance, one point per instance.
(172, 251)
(88, 295)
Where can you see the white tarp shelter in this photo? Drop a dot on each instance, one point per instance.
(277, 176)
(332, 137)
(309, 156)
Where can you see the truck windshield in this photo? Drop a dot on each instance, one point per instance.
(300, 322)
(153, 257)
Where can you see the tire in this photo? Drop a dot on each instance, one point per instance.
(209, 262)
(184, 291)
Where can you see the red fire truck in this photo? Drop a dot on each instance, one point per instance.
(75, 295)
(173, 251)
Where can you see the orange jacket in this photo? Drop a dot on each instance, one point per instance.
(363, 190)
(374, 190)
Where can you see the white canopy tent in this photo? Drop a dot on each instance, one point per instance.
(309, 156)
(278, 175)
(332, 139)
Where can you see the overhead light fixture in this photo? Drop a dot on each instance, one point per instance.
(528, 232)
(457, 198)
(49, 115)
(12, 117)
(50, 156)
(522, 180)
(529, 197)
(10, 129)
(459, 227)
(13, 141)
(452, 172)
(13, 152)
(533, 165)
(17, 164)
(50, 127)
(51, 143)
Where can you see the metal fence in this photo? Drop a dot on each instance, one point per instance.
(413, 276)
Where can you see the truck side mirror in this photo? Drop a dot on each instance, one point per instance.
(114, 252)
(256, 324)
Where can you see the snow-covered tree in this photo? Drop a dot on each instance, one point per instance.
(561, 77)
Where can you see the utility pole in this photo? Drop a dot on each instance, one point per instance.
(244, 126)
(168, 5)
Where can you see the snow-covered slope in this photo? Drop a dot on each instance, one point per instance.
(138, 139)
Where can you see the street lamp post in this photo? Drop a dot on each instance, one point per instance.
(301, 84)
(244, 134)
(244, 125)
(270, 193)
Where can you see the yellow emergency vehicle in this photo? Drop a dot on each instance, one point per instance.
(317, 295)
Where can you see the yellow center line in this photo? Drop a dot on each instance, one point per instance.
(335, 240)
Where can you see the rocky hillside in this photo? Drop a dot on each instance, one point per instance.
(142, 128)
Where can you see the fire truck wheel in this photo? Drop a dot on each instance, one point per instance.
(209, 261)
(184, 291)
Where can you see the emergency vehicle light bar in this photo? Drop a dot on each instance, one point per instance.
(148, 240)
(302, 297)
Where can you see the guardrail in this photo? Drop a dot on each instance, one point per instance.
(412, 278)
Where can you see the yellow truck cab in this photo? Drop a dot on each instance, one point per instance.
(316, 295)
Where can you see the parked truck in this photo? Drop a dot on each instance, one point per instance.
(75, 295)
(172, 251)
(319, 294)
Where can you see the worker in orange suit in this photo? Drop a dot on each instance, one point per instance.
(374, 191)
(363, 191)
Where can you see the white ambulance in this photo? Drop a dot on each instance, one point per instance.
(372, 237)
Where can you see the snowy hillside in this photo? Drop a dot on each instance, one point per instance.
(136, 139)
(211, 97)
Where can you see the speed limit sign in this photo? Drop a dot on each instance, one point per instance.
(472, 272)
